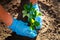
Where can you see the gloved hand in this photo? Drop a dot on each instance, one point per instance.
(22, 29)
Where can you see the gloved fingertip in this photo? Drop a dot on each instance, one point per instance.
(33, 35)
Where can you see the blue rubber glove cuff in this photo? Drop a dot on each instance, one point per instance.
(22, 29)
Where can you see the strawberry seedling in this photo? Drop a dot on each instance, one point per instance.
(31, 13)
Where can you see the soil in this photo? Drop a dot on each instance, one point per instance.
(51, 20)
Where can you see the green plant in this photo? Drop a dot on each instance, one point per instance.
(31, 13)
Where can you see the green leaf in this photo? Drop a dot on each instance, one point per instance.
(32, 27)
(24, 12)
(40, 14)
(26, 7)
(30, 20)
(32, 9)
(28, 15)
(35, 12)
(31, 5)
(24, 15)
(36, 23)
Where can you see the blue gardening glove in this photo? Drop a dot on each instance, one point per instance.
(22, 29)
